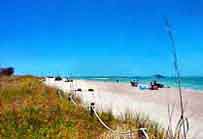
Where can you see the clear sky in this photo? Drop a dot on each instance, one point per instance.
(100, 37)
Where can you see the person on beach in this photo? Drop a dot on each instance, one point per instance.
(158, 84)
(134, 83)
(153, 86)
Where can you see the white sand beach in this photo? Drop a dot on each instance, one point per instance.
(121, 98)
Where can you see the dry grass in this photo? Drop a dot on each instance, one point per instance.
(29, 109)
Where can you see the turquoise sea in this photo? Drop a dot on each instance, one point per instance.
(195, 83)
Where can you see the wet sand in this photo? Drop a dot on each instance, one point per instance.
(121, 98)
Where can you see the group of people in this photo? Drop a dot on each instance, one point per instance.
(152, 86)
(134, 83)
(155, 86)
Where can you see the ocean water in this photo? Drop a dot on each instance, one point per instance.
(194, 83)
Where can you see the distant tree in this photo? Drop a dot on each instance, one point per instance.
(7, 71)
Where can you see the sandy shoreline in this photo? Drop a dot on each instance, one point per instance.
(121, 98)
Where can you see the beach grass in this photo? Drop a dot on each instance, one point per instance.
(29, 109)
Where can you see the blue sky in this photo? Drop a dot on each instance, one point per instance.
(100, 37)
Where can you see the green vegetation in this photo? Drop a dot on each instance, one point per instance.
(29, 109)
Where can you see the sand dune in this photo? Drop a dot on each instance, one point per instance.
(121, 98)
